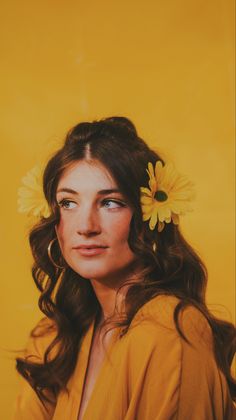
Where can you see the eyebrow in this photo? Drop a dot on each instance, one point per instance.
(101, 192)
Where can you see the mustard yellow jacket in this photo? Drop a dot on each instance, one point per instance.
(151, 373)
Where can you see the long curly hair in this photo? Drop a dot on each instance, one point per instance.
(69, 300)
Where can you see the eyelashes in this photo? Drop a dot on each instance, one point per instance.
(64, 203)
(119, 203)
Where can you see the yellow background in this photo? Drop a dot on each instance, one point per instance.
(167, 65)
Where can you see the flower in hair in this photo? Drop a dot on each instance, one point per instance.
(167, 197)
(31, 199)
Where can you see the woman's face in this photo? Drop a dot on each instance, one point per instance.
(94, 213)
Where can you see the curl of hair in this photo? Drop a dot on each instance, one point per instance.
(69, 300)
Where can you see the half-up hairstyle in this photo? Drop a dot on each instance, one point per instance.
(68, 299)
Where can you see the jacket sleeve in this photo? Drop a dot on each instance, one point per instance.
(27, 404)
(171, 380)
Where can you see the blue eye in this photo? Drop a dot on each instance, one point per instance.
(64, 204)
(116, 203)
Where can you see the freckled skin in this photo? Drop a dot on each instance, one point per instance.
(87, 219)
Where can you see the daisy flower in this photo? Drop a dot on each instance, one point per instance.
(31, 198)
(167, 197)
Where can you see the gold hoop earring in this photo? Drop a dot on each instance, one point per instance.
(50, 254)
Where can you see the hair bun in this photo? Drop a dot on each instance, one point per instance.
(111, 126)
(121, 122)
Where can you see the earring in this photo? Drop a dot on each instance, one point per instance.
(154, 246)
(50, 254)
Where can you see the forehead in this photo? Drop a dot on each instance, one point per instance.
(82, 174)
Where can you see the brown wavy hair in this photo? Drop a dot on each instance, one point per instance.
(69, 300)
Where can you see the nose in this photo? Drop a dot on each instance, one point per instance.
(88, 222)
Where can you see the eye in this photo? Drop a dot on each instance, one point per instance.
(65, 204)
(112, 204)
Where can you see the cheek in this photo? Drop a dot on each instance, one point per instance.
(120, 230)
(63, 232)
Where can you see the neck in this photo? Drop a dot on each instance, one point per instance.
(111, 302)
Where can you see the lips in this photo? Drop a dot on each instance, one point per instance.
(92, 251)
(90, 246)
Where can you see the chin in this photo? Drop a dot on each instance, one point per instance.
(100, 275)
(91, 272)
(99, 270)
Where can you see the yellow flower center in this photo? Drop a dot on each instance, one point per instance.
(160, 196)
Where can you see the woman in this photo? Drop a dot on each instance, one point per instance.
(126, 333)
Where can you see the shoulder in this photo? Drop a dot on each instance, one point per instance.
(157, 316)
(40, 337)
(154, 340)
(169, 376)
